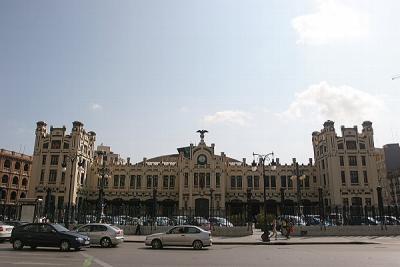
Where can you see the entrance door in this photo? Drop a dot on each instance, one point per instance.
(202, 207)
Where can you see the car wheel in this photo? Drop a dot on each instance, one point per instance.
(33, 247)
(105, 242)
(64, 246)
(156, 244)
(197, 244)
(17, 244)
(77, 249)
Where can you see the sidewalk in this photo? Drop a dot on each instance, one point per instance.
(255, 239)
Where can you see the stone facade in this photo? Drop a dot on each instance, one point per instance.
(197, 179)
(15, 173)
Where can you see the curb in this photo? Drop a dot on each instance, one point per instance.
(280, 243)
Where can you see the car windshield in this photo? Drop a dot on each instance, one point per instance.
(60, 228)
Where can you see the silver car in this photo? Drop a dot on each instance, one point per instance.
(187, 235)
(5, 231)
(105, 235)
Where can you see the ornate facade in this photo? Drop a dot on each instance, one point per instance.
(196, 178)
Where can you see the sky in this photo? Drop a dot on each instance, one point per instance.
(259, 75)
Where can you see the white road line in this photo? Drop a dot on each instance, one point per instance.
(34, 263)
(96, 260)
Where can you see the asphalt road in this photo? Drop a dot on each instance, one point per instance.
(133, 254)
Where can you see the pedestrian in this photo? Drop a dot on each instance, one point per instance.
(138, 230)
(285, 228)
(274, 232)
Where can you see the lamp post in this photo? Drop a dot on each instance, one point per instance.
(154, 205)
(299, 178)
(211, 202)
(248, 194)
(261, 160)
(103, 173)
(71, 159)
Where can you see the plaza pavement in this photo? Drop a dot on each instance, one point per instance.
(255, 239)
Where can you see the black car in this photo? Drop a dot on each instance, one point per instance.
(15, 223)
(47, 235)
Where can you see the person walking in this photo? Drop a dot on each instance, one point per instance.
(274, 231)
(138, 230)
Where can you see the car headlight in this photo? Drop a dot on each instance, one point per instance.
(80, 239)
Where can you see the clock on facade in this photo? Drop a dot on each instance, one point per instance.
(201, 159)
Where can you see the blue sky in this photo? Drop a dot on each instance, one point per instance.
(145, 75)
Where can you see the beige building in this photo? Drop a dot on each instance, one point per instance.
(15, 173)
(346, 165)
(197, 179)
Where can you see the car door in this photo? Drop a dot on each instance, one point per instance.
(174, 236)
(191, 234)
(97, 232)
(47, 236)
(28, 235)
(85, 230)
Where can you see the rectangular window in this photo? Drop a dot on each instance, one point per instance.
(324, 180)
(314, 179)
(239, 182)
(41, 177)
(343, 176)
(56, 144)
(44, 160)
(283, 181)
(54, 160)
(186, 182)
(352, 145)
(155, 181)
(202, 180)
(363, 161)
(368, 202)
(352, 161)
(132, 181)
(323, 164)
(354, 177)
(52, 176)
(340, 146)
(66, 145)
(365, 177)
(172, 182)
(290, 182)
(138, 182)
(273, 181)
(149, 181)
(345, 202)
(217, 180)
(165, 181)
(341, 160)
(249, 181)
(46, 145)
(362, 146)
(116, 181)
(122, 181)
(266, 181)
(208, 180)
(62, 177)
(233, 182)
(60, 202)
(256, 182)
(307, 182)
(196, 180)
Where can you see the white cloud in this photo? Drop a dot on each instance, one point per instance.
(333, 21)
(229, 117)
(341, 103)
(96, 107)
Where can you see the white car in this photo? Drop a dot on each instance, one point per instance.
(102, 234)
(186, 235)
(5, 231)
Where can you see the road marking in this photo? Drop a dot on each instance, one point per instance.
(35, 263)
(96, 260)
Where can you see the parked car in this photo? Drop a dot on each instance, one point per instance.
(199, 221)
(362, 220)
(180, 220)
(219, 221)
(105, 235)
(164, 221)
(188, 235)
(391, 220)
(47, 235)
(294, 220)
(5, 231)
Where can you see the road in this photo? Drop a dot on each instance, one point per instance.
(133, 254)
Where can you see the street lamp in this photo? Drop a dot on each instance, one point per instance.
(154, 205)
(299, 178)
(64, 169)
(211, 201)
(248, 194)
(261, 160)
(103, 174)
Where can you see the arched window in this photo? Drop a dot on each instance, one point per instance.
(24, 182)
(7, 163)
(23, 195)
(15, 180)
(13, 195)
(4, 194)
(4, 179)
(26, 167)
(17, 165)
